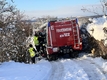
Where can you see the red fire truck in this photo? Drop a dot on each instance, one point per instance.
(63, 37)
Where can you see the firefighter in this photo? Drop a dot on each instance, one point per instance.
(36, 41)
(41, 39)
(32, 53)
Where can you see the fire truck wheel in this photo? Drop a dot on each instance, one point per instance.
(49, 57)
(76, 54)
(55, 57)
(52, 57)
(73, 54)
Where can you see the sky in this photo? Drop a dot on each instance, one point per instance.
(60, 8)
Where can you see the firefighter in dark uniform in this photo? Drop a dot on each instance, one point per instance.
(32, 53)
(42, 42)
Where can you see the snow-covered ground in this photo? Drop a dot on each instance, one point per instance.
(84, 68)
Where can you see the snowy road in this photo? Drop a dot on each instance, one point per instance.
(66, 70)
(93, 71)
(57, 71)
(84, 68)
(89, 70)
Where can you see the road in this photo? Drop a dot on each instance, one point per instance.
(93, 71)
(76, 69)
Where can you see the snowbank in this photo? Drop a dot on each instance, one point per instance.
(21, 71)
(97, 25)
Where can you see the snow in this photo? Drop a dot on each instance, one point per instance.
(21, 71)
(42, 70)
(73, 71)
(97, 24)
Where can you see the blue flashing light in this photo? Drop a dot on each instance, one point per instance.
(76, 20)
(48, 24)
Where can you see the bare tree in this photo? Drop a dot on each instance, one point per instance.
(12, 0)
(104, 6)
(94, 9)
(91, 10)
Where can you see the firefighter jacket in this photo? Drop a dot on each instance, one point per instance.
(36, 41)
(32, 52)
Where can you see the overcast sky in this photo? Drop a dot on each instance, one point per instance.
(59, 8)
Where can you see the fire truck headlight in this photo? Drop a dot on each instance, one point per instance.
(55, 49)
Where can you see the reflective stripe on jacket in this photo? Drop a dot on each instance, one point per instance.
(32, 53)
(36, 41)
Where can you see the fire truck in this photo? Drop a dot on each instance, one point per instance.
(63, 37)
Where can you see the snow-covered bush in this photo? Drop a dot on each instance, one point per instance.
(13, 33)
(98, 30)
